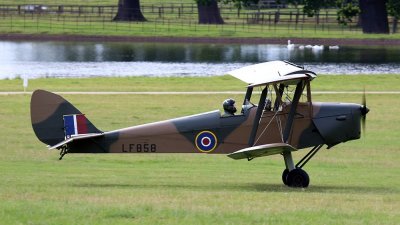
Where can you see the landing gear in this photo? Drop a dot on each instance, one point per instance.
(294, 175)
(63, 151)
(284, 176)
(296, 178)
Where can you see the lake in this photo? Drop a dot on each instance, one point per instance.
(87, 59)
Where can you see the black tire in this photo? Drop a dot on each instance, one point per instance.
(284, 176)
(298, 178)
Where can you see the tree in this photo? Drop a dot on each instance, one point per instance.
(209, 12)
(129, 10)
(394, 10)
(347, 11)
(374, 16)
(373, 13)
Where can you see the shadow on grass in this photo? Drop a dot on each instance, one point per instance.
(325, 189)
(249, 187)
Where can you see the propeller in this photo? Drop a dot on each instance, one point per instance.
(364, 110)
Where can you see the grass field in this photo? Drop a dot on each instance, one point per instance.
(219, 83)
(353, 183)
(104, 26)
(163, 20)
(87, 2)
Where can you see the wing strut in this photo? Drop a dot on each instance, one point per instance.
(279, 93)
(289, 123)
(287, 156)
(248, 95)
(257, 118)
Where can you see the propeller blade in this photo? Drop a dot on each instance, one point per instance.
(363, 123)
(364, 100)
(364, 111)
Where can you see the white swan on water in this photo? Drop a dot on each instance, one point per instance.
(318, 47)
(290, 46)
(334, 47)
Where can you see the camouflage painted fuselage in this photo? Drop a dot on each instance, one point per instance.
(314, 124)
(211, 133)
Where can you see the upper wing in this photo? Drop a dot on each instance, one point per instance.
(262, 150)
(272, 72)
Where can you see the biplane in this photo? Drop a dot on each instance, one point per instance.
(284, 120)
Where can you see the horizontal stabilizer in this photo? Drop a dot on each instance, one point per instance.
(74, 138)
(262, 150)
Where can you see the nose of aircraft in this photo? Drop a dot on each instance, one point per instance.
(364, 110)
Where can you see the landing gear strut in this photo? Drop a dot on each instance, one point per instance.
(294, 175)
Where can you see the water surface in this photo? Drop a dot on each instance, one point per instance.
(87, 59)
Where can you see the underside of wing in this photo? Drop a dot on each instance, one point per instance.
(262, 150)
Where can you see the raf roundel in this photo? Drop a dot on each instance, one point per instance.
(206, 141)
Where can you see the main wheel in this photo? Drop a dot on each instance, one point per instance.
(298, 178)
(284, 176)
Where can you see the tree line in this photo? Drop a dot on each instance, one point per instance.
(373, 14)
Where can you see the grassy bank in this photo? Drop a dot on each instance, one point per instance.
(217, 83)
(85, 2)
(353, 183)
(174, 19)
(104, 26)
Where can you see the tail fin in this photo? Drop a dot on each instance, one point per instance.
(53, 117)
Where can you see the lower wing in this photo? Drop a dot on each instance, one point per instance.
(262, 150)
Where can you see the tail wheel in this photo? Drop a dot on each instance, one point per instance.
(297, 178)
